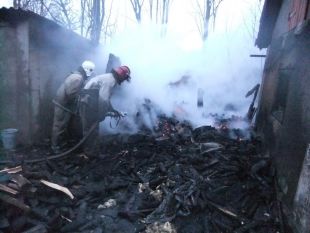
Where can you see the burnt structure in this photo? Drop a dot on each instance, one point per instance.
(192, 180)
(283, 115)
(36, 56)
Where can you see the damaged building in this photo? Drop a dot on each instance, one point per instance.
(283, 116)
(36, 55)
(173, 178)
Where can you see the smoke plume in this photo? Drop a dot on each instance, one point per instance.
(170, 75)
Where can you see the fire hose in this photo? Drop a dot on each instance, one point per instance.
(65, 153)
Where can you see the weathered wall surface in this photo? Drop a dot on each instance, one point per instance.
(7, 37)
(54, 53)
(284, 112)
(36, 56)
(23, 82)
(281, 25)
(302, 198)
(14, 78)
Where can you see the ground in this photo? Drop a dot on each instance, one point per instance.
(199, 180)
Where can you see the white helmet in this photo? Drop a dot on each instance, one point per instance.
(88, 67)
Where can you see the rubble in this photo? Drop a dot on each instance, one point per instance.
(179, 180)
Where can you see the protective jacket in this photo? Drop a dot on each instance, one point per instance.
(68, 92)
(66, 105)
(105, 83)
(94, 104)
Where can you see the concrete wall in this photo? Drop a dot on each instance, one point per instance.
(14, 78)
(7, 118)
(37, 55)
(54, 53)
(284, 110)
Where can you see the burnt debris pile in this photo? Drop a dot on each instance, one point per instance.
(186, 180)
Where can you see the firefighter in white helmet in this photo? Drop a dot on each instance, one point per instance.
(66, 103)
(95, 103)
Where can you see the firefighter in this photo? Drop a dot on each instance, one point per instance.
(66, 104)
(95, 103)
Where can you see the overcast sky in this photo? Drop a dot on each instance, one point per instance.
(231, 15)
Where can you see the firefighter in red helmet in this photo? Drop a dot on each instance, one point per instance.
(105, 83)
(95, 102)
(121, 73)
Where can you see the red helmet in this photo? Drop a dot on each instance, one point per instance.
(124, 72)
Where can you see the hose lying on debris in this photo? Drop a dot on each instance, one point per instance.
(57, 155)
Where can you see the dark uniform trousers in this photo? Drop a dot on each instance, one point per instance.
(65, 125)
(89, 116)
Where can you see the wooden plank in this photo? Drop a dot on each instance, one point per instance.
(58, 187)
(15, 202)
(7, 189)
(12, 170)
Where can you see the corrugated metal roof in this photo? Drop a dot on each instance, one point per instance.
(13, 16)
(16, 16)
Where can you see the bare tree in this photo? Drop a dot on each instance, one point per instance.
(109, 27)
(165, 11)
(157, 10)
(92, 14)
(88, 18)
(17, 4)
(82, 20)
(252, 22)
(86, 14)
(215, 6)
(160, 9)
(62, 11)
(137, 7)
(97, 17)
(207, 11)
(36, 6)
(151, 9)
(165, 16)
(206, 19)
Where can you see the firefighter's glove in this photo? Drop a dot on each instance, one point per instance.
(116, 114)
(123, 114)
(120, 114)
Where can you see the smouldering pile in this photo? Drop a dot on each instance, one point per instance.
(200, 182)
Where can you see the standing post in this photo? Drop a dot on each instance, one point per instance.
(200, 94)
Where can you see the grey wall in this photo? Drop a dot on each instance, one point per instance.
(37, 55)
(284, 109)
(14, 78)
(281, 26)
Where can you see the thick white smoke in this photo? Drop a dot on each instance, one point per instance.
(221, 67)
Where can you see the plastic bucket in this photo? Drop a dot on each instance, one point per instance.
(8, 137)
